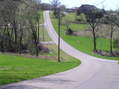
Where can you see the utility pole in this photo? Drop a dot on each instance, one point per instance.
(59, 28)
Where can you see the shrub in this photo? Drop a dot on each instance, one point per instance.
(69, 31)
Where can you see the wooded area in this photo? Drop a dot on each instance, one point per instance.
(19, 24)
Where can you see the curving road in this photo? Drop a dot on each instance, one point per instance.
(93, 73)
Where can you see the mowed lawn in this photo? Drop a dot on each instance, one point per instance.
(17, 68)
(71, 18)
(82, 43)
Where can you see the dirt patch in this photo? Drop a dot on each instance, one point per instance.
(86, 33)
(31, 56)
(107, 53)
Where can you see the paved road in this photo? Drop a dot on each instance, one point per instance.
(93, 73)
(47, 43)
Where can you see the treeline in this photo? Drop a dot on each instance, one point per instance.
(19, 26)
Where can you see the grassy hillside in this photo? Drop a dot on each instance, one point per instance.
(82, 43)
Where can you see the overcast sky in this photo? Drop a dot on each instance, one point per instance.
(107, 4)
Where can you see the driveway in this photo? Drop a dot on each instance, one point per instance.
(93, 73)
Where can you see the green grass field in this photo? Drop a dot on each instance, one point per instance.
(17, 68)
(84, 44)
(70, 18)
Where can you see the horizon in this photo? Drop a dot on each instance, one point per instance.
(102, 4)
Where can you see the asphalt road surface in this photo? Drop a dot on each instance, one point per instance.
(93, 73)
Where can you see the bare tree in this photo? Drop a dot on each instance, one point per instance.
(62, 8)
(112, 23)
(34, 22)
(93, 20)
(8, 16)
(15, 25)
(55, 4)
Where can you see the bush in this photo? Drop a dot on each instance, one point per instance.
(69, 31)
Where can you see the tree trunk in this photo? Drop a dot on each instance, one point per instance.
(37, 51)
(2, 47)
(111, 45)
(20, 41)
(111, 41)
(15, 35)
(94, 41)
(10, 38)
